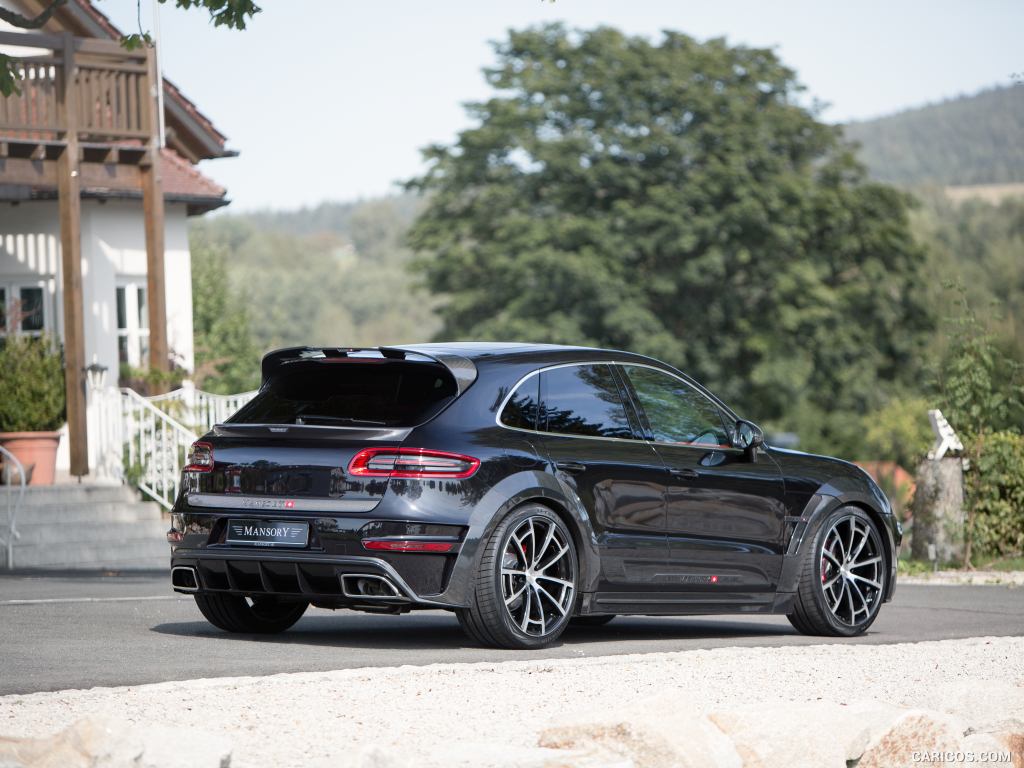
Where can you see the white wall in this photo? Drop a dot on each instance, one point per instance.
(114, 240)
(113, 250)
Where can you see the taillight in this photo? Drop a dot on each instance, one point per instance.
(414, 463)
(200, 458)
(409, 545)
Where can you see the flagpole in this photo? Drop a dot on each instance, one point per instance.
(159, 75)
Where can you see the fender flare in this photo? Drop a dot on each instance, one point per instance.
(511, 492)
(835, 493)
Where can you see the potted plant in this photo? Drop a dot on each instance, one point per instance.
(32, 404)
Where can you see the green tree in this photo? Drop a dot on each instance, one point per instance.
(981, 385)
(227, 360)
(676, 199)
(982, 394)
(899, 432)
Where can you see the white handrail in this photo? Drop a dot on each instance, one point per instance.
(12, 534)
(155, 446)
(145, 440)
(200, 409)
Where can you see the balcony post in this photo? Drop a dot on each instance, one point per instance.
(153, 213)
(70, 210)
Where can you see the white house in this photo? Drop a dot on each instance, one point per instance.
(89, 171)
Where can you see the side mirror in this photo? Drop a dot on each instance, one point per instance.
(748, 436)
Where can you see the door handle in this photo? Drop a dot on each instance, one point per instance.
(685, 473)
(574, 467)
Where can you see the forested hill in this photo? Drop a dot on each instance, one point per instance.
(969, 140)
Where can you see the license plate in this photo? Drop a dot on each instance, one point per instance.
(267, 533)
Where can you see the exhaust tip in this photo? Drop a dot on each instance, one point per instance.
(184, 578)
(368, 586)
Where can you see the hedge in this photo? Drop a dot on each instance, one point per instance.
(995, 488)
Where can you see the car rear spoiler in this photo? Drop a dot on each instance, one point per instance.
(461, 368)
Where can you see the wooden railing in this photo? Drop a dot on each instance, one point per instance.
(110, 89)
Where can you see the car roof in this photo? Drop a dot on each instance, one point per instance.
(484, 354)
(482, 351)
(464, 358)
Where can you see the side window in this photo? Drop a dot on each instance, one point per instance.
(522, 408)
(677, 412)
(582, 400)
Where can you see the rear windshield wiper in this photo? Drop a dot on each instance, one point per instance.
(307, 418)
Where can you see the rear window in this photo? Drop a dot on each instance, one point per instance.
(351, 393)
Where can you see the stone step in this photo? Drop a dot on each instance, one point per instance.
(50, 495)
(128, 553)
(62, 514)
(89, 527)
(46, 534)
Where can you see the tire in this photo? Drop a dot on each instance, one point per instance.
(529, 557)
(835, 598)
(590, 621)
(265, 616)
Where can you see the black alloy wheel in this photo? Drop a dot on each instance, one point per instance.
(525, 585)
(844, 577)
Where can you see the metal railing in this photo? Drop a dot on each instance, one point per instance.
(155, 447)
(144, 441)
(9, 533)
(200, 410)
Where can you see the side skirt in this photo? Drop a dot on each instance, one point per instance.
(661, 604)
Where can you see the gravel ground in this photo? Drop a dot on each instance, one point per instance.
(493, 713)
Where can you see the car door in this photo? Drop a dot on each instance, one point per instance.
(584, 427)
(725, 516)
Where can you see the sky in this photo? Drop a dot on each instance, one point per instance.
(333, 99)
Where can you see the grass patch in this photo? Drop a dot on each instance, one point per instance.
(908, 567)
(1000, 563)
(905, 566)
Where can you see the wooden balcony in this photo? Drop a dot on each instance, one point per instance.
(108, 99)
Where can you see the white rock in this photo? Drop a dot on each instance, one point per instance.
(913, 733)
(659, 733)
(108, 743)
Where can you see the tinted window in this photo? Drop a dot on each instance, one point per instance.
(522, 408)
(582, 400)
(677, 412)
(351, 393)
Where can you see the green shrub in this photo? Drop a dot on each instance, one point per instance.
(995, 487)
(898, 432)
(31, 385)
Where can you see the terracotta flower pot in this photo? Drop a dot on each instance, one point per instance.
(37, 452)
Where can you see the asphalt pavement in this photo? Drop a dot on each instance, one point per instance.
(74, 630)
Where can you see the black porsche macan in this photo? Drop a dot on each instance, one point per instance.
(522, 486)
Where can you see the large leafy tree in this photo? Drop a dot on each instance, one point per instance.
(676, 199)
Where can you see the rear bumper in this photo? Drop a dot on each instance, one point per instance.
(328, 580)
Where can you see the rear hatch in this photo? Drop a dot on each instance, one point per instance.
(292, 447)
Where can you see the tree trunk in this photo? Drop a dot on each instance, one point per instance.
(938, 509)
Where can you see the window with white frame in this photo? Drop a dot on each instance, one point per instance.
(132, 323)
(25, 308)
